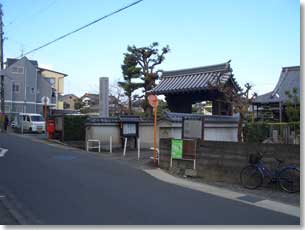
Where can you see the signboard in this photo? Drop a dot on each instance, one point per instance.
(129, 129)
(176, 150)
(192, 129)
(189, 149)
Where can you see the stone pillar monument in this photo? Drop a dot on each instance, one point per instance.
(103, 99)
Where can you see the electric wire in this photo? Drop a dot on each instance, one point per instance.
(81, 28)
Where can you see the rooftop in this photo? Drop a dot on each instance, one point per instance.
(11, 61)
(194, 79)
(177, 117)
(49, 70)
(289, 79)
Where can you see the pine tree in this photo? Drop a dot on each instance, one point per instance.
(147, 59)
(130, 71)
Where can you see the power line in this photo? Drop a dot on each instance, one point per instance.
(81, 28)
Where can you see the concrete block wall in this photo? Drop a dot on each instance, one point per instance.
(223, 161)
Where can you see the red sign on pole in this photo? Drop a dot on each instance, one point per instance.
(153, 100)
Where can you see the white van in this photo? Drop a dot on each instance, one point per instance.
(30, 122)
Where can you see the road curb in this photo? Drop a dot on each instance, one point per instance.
(225, 193)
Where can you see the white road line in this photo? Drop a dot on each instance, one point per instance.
(267, 204)
(2, 152)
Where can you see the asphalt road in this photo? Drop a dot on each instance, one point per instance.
(52, 185)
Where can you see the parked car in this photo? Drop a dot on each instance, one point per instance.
(14, 124)
(29, 122)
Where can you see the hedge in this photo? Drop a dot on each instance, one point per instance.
(256, 132)
(260, 131)
(74, 128)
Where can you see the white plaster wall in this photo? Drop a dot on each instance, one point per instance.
(220, 134)
(212, 132)
(103, 134)
(146, 134)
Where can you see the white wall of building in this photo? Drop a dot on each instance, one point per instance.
(165, 129)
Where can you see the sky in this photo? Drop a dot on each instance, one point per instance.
(259, 37)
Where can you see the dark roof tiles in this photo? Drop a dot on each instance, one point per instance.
(199, 78)
(177, 117)
(289, 79)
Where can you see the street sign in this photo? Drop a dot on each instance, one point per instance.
(176, 150)
(153, 100)
(45, 100)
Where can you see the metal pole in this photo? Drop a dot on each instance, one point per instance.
(45, 114)
(138, 148)
(110, 144)
(280, 111)
(125, 145)
(1, 66)
(155, 134)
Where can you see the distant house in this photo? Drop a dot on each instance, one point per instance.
(90, 102)
(116, 107)
(25, 84)
(272, 105)
(57, 81)
(69, 101)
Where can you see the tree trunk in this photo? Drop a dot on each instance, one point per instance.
(147, 108)
(129, 105)
(240, 127)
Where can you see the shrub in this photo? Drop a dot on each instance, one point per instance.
(259, 131)
(74, 128)
(256, 132)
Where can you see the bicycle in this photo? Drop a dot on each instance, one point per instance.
(253, 175)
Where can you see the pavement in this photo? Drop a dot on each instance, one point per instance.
(56, 184)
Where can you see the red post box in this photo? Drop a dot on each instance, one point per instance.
(50, 127)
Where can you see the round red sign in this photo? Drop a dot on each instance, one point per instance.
(153, 100)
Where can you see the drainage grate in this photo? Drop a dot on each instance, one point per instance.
(249, 198)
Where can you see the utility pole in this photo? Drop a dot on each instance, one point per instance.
(1, 65)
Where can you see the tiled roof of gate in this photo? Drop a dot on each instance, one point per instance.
(194, 79)
(177, 117)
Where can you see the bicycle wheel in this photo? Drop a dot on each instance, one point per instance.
(251, 177)
(289, 179)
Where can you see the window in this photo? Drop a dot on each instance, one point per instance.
(16, 88)
(17, 70)
(53, 92)
(37, 118)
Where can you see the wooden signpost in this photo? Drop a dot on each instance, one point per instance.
(153, 101)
